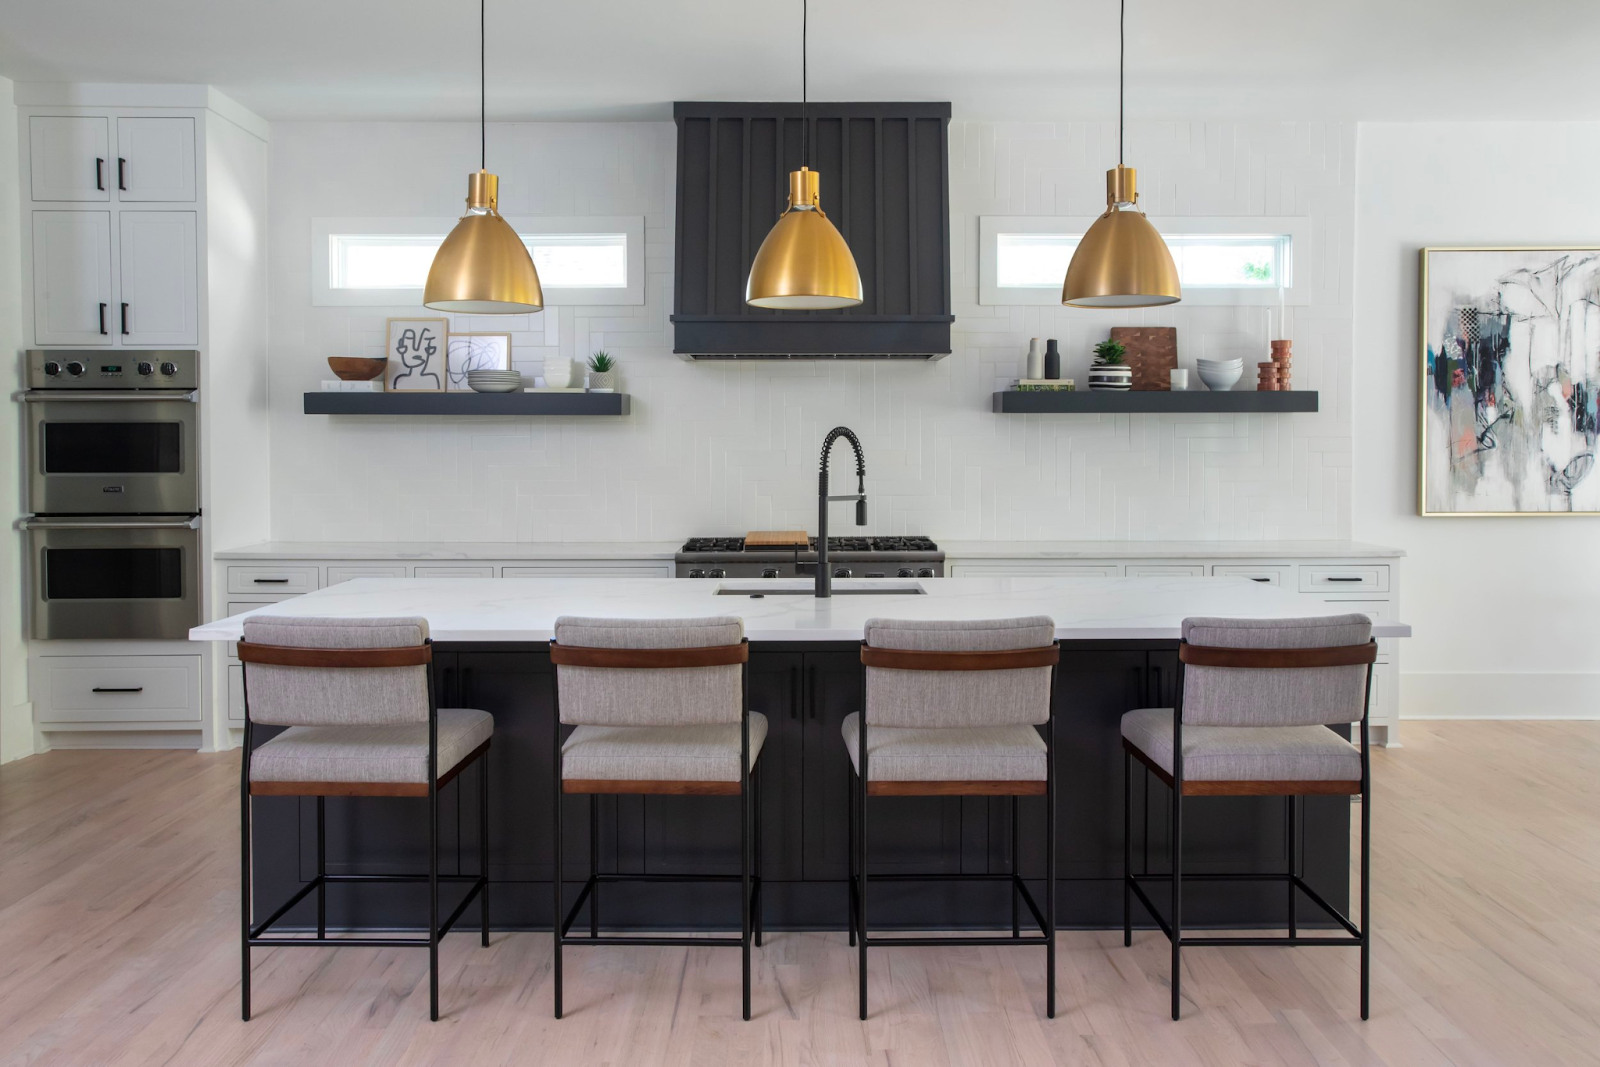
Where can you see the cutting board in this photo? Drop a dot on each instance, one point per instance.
(1152, 352)
(771, 538)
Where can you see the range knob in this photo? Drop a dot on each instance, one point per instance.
(169, 369)
(925, 572)
(770, 572)
(718, 573)
(51, 368)
(905, 572)
(75, 368)
(697, 573)
(841, 572)
(145, 368)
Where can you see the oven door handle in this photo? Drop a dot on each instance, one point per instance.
(51, 396)
(110, 524)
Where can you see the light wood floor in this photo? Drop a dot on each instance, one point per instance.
(118, 945)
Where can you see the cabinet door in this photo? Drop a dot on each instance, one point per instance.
(72, 277)
(155, 159)
(160, 291)
(68, 158)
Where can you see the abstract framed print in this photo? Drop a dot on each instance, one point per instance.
(416, 350)
(476, 351)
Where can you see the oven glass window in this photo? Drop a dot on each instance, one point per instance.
(113, 574)
(111, 448)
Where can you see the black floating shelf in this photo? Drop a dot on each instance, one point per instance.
(462, 403)
(1152, 402)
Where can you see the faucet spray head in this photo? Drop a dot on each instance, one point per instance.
(861, 511)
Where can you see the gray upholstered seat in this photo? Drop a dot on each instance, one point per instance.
(707, 752)
(948, 753)
(393, 753)
(1245, 753)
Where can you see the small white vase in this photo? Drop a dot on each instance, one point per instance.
(557, 373)
(1035, 359)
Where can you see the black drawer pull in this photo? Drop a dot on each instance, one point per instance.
(122, 174)
(1337, 578)
(1261, 579)
(124, 318)
(271, 581)
(117, 689)
(102, 319)
(99, 174)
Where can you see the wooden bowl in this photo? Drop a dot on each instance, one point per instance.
(356, 368)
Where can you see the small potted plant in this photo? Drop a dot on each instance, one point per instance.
(602, 373)
(1110, 373)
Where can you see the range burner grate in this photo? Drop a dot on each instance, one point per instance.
(714, 544)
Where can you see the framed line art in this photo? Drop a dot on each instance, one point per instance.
(1509, 374)
(475, 351)
(417, 355)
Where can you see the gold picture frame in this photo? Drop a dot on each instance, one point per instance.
(456, 377)
(428, 338)
(1427, 375)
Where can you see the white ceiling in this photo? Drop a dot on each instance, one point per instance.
(410, 59)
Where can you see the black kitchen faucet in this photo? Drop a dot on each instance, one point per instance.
(824, 575)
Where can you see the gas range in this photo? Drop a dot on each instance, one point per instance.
(848, 557)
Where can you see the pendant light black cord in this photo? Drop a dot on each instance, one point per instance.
(483, 84)
(805, 122)
(1122, 71)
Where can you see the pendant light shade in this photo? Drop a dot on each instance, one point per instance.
(1122, 262)
(483, 268)
(804, 264)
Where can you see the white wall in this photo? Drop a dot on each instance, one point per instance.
(16, 714)
(727, 447)
(1504, 609)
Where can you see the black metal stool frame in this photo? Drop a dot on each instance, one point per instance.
(749, 792)
(1358, 936)
(1044, 918)
(254, 935)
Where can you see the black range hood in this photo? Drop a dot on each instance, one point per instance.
(885, 184)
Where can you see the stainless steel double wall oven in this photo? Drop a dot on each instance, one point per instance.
(113, 483)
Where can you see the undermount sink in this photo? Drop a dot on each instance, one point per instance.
(771, 588)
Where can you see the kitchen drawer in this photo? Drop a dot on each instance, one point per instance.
(1027, 568)
(340, 572)
(589, 568)
(1344, 578)
(236, 693)
(485, 571)
(276, 581)
(1264, 575)
(1165, 570)
(120, 689)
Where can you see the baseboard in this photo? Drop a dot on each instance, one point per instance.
(185, 740)
(1499, 696)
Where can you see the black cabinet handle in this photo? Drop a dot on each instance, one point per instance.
(100, 174)
(258, 581)
(794, 692)
(1338, 578)
(102, 318)
(117, 689)
(124, 318)
(122, 174)
(1261, 579)
(811, 692)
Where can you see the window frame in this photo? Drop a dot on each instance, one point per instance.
(324, 295)
(1297, 228)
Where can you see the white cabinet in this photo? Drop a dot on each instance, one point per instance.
(1031, 568)
(486, 571)
(72, 277)
(133, 689)
(155, 159)
(160, 290)
(69, 158)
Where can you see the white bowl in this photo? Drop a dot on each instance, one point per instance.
(1220, 380)
(1219, 363)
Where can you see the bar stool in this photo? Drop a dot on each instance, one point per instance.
(659, 706)
(1254, 699)
(953, 710)
(357, 697)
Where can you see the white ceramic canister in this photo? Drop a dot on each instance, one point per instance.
(1035, 369)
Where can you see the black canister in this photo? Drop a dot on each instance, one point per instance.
(1052, 359)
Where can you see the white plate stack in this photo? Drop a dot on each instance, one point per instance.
(494, 381)
(1219, 374)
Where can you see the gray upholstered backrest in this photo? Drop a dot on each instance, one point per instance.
(336, 696)
(1275, 696)
(642, 696)
(959, 698)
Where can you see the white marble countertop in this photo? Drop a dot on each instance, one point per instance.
(525, 609)
(954, 550)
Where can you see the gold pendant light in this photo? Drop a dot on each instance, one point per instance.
(1122, 262)
(483, 268)
(804, 264)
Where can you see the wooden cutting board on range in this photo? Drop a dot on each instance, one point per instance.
(1152, 352)
(776, 538)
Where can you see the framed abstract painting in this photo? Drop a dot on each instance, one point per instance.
(416, 351)
(1510, 374)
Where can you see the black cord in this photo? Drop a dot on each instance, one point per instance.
(805, 122)
(483, 85)
(1122, 71)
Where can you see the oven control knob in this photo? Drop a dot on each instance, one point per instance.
(697, 573)
(718, 573)
(770, 572)
(169, 369)
(52, 368)
(841, 572)
(75, 368)
(145, 368)
(905, 572)
(925, 572)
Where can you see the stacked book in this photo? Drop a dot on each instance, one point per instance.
(1045, 385)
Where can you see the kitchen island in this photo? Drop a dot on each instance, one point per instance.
(1119, 651)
